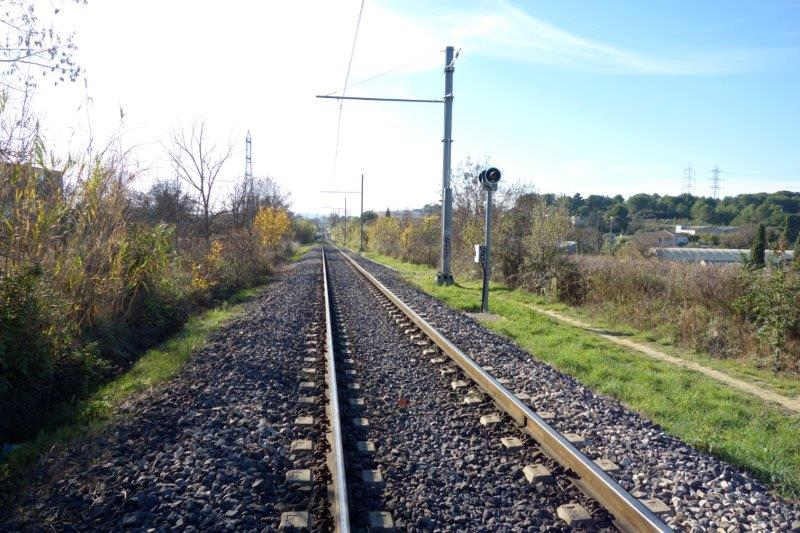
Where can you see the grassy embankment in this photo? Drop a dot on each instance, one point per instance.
(727, 423)
(750, 369)
(154, 367)
(302, 250)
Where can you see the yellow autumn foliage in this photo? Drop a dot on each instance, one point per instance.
(271, 224)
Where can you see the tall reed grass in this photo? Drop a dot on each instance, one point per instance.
(87, 283)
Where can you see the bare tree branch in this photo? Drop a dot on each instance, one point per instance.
(198, 165)
(27, 37)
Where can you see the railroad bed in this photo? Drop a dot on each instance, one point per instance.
(702, 493)
(302, 416)
(434, 466)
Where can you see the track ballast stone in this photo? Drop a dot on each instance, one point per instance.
(703, 492)
(209, 450)
(441, 469)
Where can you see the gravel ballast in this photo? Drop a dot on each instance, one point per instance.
(441, 469)
(703, 493)
(209, 450)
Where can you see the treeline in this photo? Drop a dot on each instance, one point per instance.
(726, 311)
(620, 214)
(92, 272)
(595, 216)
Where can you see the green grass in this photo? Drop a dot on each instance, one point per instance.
(727, 423)
(159, 364)
(302, 250)
(747, 369)
(154, 367)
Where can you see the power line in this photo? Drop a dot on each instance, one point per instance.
(344, 89)
(402, 66)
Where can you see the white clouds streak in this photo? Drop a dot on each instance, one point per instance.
(505, 31)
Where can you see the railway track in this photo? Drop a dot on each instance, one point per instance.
(244, 440)
(370, 400)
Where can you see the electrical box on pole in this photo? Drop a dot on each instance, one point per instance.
(480, 254)
(489, 178)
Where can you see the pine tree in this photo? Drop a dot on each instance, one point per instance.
(388, 213)
(791, 228)
(759, 250)
(796, 259)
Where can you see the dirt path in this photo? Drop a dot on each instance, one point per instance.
(792, 404)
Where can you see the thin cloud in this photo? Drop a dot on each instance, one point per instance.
(505, 31)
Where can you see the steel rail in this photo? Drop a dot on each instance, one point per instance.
(630, 514)
(340, 511)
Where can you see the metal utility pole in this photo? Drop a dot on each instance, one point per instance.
(345, 193)
(361, 218)
(445, 274)
(334, 212)
(489, 178)
(487, 265)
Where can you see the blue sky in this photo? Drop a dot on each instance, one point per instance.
(563, 96)
(710, 83)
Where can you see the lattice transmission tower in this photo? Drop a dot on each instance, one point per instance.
(249, 193)
(716, 182)
(248, 161)
(688, 180)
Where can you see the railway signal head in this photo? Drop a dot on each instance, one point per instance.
(489, 178)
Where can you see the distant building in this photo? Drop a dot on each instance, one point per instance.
(420, 212)
(577, 221)
(49, 183)
(570, 247)
(705, 230)
(715, 256)
(660, 239)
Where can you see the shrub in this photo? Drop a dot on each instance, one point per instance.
(741, 238)
(86, 285)
(271, 224)
(693, 305)
(39, 363)
(385, 235)
(420, 241)
(772, 303)
(796, 256)
(304, 230)
(543, 258)
(759, 249)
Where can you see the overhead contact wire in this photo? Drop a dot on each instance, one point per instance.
(344, 89)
